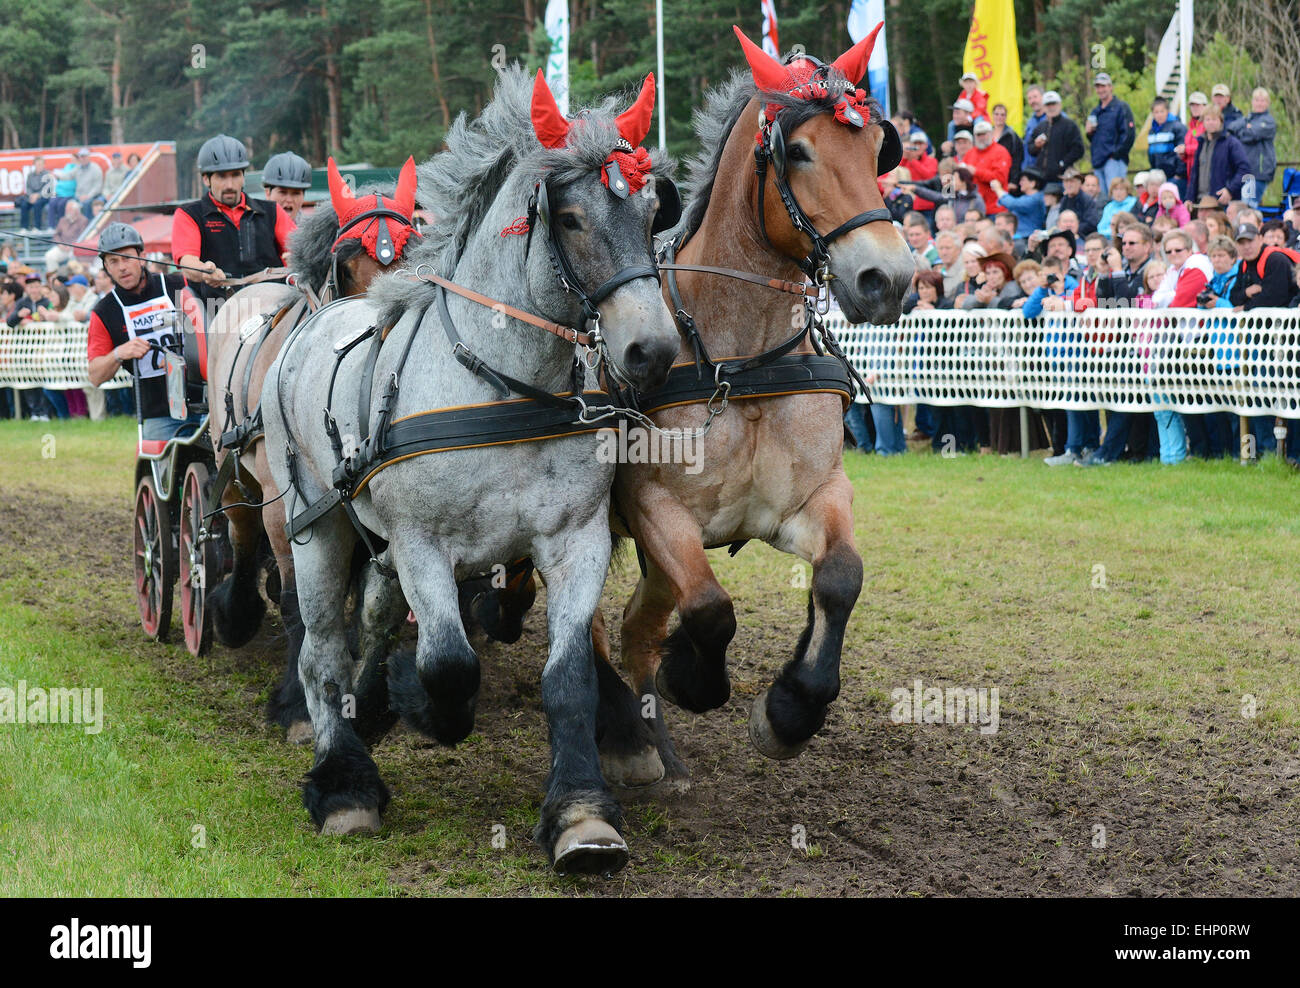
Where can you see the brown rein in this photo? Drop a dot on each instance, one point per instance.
(802, 289)
(567, 333)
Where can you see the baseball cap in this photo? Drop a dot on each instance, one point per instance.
(962, 135)
(1103, 79)
(964, 104)
(83, 151)
(983, 127)
(1221, 89)
(1051, 96)
(971, 76)
(1247, 231)
(1198, 97)
(79, 279)
(1071, 172)
(917, 139)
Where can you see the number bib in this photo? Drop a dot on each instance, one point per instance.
(154, 320)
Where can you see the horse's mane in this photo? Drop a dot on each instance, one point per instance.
(714, 121)
(459, 184)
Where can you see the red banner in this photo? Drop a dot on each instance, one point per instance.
(14, 165)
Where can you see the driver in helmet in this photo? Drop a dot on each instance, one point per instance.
(141, 309)
(227, 234)
(286, 179)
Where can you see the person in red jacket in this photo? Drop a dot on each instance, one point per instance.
(989, 161)
(921, 166)
(1196, 104)
(970, 89)
(1188, 272)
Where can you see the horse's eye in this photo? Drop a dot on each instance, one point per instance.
(569, 221)
(796, 152)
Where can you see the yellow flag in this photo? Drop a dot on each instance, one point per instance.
(991, 53)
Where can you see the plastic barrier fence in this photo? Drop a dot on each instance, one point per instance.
(1187, 360)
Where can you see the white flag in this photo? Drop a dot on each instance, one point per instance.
(864, 15)
(557, 63)
(771, 44)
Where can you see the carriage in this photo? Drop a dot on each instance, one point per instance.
(175, 534)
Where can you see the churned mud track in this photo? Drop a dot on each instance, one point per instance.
(1074, 794)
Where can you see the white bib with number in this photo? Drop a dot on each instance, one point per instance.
(153, 319)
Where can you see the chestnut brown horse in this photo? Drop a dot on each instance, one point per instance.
(772, 466)
(337, 252)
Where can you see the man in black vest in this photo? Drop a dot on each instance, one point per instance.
(141, 312)
(226, 234)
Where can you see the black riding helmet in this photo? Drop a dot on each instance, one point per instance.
(116, 236)
(222, 154)
(287, 171)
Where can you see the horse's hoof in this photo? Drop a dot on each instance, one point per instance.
(300, 732)
(590, 847)
(634, 771)
(353, 820)
(764, 738)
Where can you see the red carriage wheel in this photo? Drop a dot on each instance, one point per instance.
(155, 563)
(199, 563)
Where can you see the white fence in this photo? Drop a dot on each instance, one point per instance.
(48, 355)
(1188, 360)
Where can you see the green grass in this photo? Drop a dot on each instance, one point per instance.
(1136, 605)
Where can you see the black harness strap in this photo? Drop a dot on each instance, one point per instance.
(791, 373)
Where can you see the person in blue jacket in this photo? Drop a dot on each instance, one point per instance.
(1220, 165)
(1111, 133)
(1028, 207)
(1167, 132)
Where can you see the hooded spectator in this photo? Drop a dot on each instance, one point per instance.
(1056, 142)
(1169, 204)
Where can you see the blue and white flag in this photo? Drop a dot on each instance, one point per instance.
(863, 16)
(557, 63)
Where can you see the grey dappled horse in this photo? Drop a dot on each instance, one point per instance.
(455, 514)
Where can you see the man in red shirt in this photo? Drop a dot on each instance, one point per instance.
(970, 89)
(919, 165)
(227, 234)
(989, 161)
(141, 312)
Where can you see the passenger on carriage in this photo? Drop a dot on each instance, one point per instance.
(140, 310)
(226, 233)
(286, 179)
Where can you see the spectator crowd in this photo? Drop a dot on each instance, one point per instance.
(61, 205)
(1000, 220)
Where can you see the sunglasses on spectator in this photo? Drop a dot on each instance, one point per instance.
(1175, 250)
(1132, 243)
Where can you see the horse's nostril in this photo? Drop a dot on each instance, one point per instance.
(647, 364)
(872, 285)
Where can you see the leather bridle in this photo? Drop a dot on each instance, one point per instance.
(770, 150)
